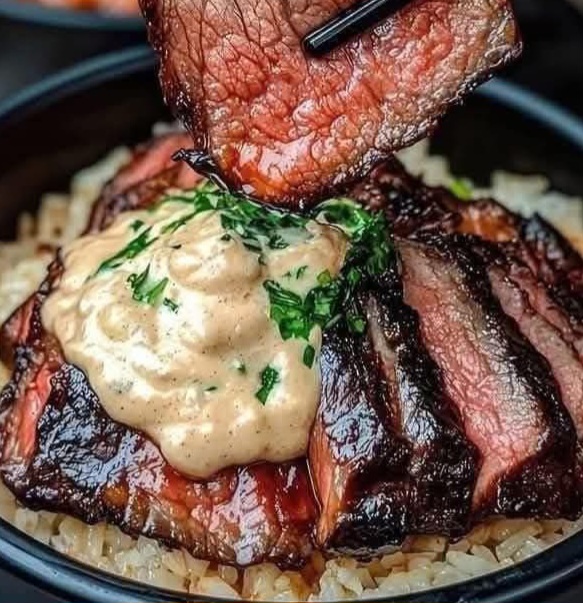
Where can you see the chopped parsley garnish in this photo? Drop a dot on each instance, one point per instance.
(136, 225)
(130, 251)
(176, 224)
(298, 273)
(356, 323)
(146, 290)
(170, 304)
(240, 367)
(309, 355)
(367, 231)
(211, 388)
(269, 379)
(462, 189)
(331, 299)
(257, 226)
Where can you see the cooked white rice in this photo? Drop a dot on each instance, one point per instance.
(422, 563)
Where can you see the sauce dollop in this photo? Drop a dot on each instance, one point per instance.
(168, 313)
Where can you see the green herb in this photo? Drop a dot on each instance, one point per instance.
(171, 304)
(309, 355)
(136, 225)
(462, 189)
(201, 198)
(240, 367)
(324, 278)
(356, 323)
(367, 231)
(269, 378)
(211, 388)
(145, 290)
(176, 224)
(300, 272)
(288, 311)
(258, 226)
(130, 251)
(331, 300)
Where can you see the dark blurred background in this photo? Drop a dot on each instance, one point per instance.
(552, 63)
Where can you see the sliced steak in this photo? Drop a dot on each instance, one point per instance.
(287, 127)
(412, 208)
(357, 461)
(387, 456)
(61, 452)
(149, 173)
(510, 404)
(558, 264)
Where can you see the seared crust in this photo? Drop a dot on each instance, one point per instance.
(289, 128)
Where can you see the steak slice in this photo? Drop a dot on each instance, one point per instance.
(149, 173)
(387, 456)
(412, 208)
(286, 127)
(557, 263)
(503, 388)
(61, 452)
(528, 302)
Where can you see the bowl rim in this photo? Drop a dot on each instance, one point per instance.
(29, 11)
(52, 571)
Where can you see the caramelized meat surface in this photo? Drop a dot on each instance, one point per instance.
(510, 404)
(286, 127)
(149, 173)
(461, 398)
(387, 454)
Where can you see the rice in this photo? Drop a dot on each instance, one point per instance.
(423, 562)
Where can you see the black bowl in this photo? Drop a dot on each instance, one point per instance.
(32, 12)
(36, 40)
(64, 123)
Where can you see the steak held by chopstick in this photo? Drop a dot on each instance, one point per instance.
(288, 128)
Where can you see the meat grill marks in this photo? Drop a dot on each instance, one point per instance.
(503, 387)
(289, 128)
(387, 455)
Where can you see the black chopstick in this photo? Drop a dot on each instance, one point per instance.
(353, 20)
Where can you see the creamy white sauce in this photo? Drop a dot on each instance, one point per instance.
(186, 368)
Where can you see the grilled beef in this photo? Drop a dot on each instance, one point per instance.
(541, 320)
(401, 464)
(510, 405)
(534, 272)
(149, 173)
(286, 127)
(61, 452)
